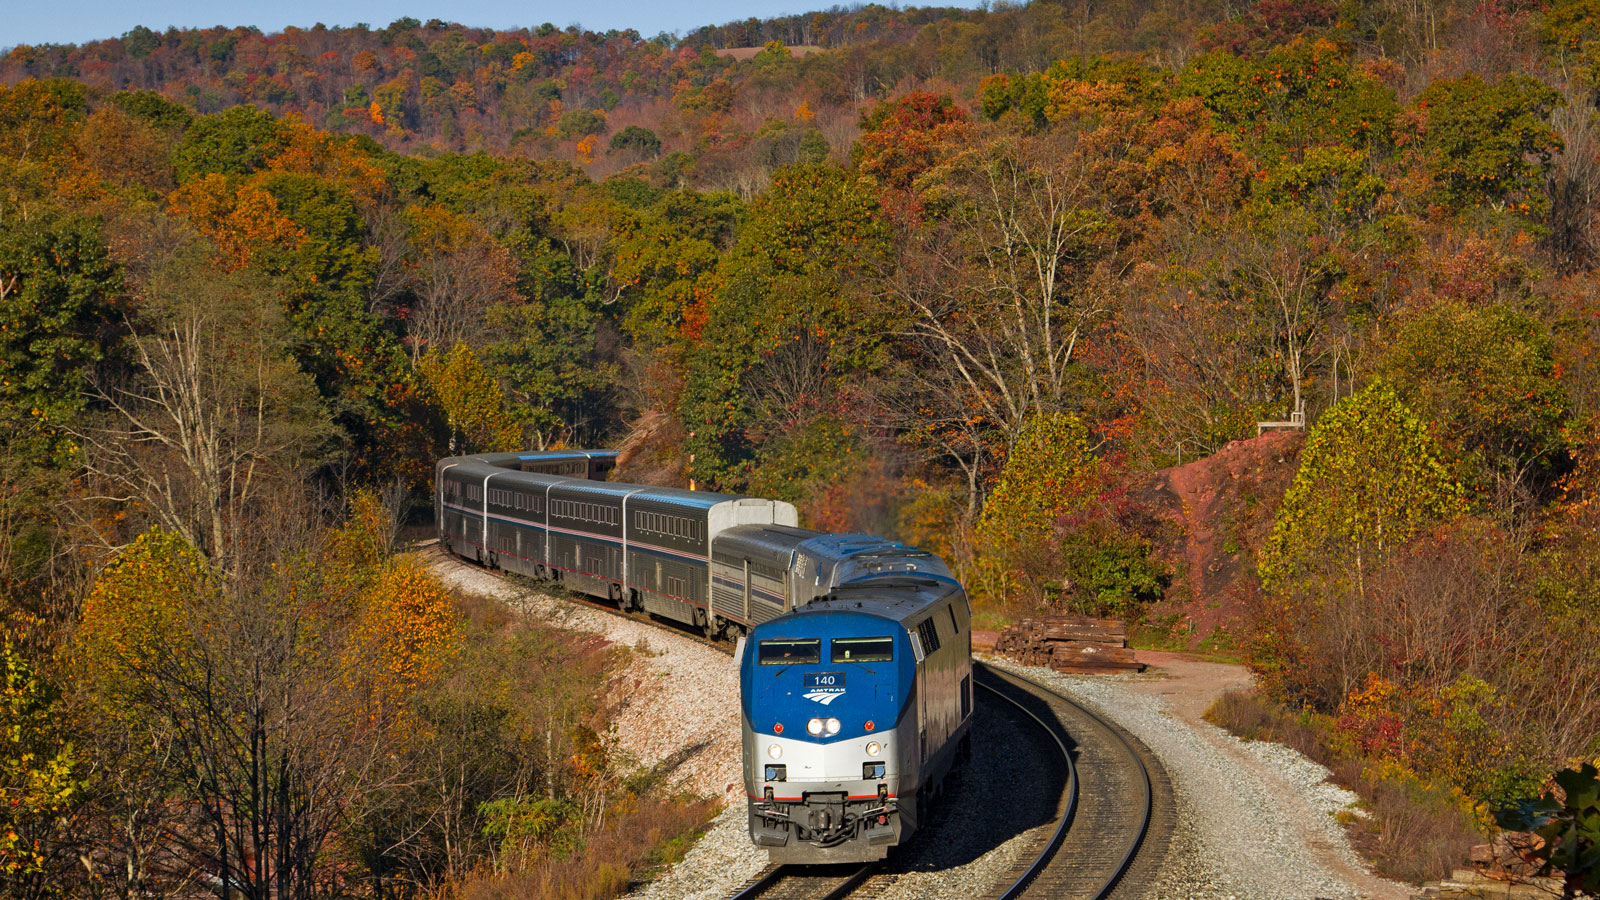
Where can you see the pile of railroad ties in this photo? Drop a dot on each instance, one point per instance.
(1074, 644)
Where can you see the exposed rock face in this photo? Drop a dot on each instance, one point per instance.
(1220, 510)
(652, 453)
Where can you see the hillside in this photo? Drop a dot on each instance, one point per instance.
(715, 119)
(1014, 285)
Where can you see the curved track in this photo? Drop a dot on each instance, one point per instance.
(1102, 819)
(1107, 810)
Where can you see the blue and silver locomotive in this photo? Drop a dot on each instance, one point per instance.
(855, 704)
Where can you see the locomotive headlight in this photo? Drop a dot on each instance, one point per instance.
(814, 727)
(833, 726)
(775, 751)
(873, 749)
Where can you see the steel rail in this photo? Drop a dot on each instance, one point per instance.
(1060, 833)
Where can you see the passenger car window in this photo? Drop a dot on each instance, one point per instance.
(867, 649)
(789, 653)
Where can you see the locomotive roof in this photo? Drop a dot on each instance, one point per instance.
(901, 598)
(774, 540)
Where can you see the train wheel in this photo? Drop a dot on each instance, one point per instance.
(494, 560)
(710, 626)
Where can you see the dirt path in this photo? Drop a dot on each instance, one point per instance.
(1189, 686)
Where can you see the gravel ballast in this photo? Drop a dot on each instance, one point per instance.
(1255, 819)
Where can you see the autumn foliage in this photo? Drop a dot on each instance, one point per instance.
(975, 278)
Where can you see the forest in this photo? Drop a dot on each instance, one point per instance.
(967, 278)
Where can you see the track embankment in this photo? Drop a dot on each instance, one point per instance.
(1244, 820)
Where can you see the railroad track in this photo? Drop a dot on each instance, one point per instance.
(1113, 795)
(808, 882)
(1105, 815)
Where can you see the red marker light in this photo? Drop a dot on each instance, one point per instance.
(869, 724)
(778, 728)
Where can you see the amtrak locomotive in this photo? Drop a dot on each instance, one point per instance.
(855, 678)
(854, 707)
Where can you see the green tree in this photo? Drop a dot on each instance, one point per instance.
(1486, 381)
(1304, 95)
(1488, 144)
(58, 292)
(236, 141)
(154, 108)
(577, 123)
(796, 280)
(664, 263)
(638, 138)
(1370, 476)
(547, 356)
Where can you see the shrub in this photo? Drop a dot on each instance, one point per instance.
(637, 138)
(1107, 572)
(1412, 829)
(1567, 821)
(576, 123)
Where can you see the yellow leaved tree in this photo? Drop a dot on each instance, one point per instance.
(472, 401)
(408, 629)
(1051, 472)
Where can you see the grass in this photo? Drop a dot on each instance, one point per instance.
(1411, 830)
(633, 847)
(1172, 633)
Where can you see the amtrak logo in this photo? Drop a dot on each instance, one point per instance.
(824, 695)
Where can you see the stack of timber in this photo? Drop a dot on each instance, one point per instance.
(1079, 644)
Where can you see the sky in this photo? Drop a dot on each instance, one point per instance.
(77, 21)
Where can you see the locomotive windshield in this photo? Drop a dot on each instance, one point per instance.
(790, 653)
(867, 649)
